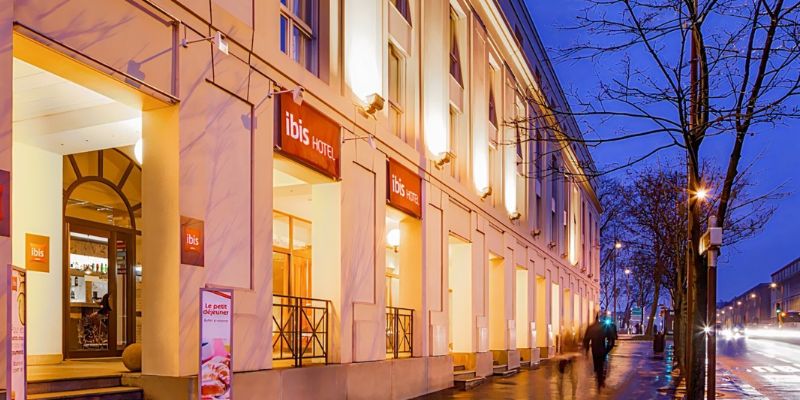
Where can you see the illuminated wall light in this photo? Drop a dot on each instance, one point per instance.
(573, 259)
(363, 48)
(436, 134)
(137, 151)
(480, 145)
(510, 180)
(393, 238)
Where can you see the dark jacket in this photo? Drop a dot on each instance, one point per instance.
(598, 338)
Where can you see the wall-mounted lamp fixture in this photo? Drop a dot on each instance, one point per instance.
(374, 104)
(297, 94)
(563, 255)
(486, 192)
(515, 216)
(393, 239)
(551, 245)
(218, 39)
(369, 138)
(536, 232)
(444, 158)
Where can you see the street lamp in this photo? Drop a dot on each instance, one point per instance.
(628, 293)
(617, 245)
(773, 285)
(701, 194)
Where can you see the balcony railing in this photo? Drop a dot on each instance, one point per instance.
(300, 329)
(399, 332)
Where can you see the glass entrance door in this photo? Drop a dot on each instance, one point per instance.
(97, 291)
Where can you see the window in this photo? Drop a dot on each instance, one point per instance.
(454, 144)
(298, 26)
(554, 199)
(492, 107)
(455, 56)
(403, 8)
(291, 256)
(396, 82)
(539, 156)
(493, 131)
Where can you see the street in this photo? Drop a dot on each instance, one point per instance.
(769, 368)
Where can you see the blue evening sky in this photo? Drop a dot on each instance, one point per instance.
(775, 152)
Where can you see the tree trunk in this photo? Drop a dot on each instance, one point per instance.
(656, 294)
(695, 384)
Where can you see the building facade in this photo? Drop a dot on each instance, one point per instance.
(349, 169)
(750, 308)
(786, 288)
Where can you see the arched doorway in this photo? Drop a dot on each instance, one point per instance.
(102, 274)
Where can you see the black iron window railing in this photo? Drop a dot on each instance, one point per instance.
(300, 329)
(399, 332)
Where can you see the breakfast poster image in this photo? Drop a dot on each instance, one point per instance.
(216, 356)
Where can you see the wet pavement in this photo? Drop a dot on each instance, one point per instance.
(633, 374)
(765, 368)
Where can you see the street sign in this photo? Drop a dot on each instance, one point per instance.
(636, 311)
(712, 238)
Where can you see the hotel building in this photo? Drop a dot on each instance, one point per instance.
(349, 169)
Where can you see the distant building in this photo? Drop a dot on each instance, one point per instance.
(751, 307)
(785, 288)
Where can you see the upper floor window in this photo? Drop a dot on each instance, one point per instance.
(299, 23)
(492, 109)
(539, 156)
(455, 55)
(403, 8)
(396, 84)
(455, 144)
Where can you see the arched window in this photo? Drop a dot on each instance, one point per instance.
(103, 186)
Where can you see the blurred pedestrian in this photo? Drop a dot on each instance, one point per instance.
(598, 339)
(567, 370)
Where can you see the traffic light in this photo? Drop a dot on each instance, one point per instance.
(778, 308)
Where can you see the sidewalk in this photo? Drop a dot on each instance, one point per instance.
(633, 374)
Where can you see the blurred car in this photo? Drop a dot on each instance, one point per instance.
(736, 333)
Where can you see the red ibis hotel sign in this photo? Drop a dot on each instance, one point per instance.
(192, 241)
(404, 188)
(5, 203)
(308, 136)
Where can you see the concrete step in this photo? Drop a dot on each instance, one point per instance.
(467, 383)
(463, 374)
(107, 393)
(524, 363)
(500, 367)
(71, 384)
(459, 367)
(506, 373)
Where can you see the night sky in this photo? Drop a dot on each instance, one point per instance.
(775, 151)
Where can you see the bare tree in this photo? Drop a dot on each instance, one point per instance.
(654, 216)
(692, 69)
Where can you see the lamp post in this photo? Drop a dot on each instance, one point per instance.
(710, 243)
(617, 246)
(628, 295)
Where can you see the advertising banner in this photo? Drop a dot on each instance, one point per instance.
(16, 368)
(404, 188)
(306, 135)
(5, 203)
(216, 347)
